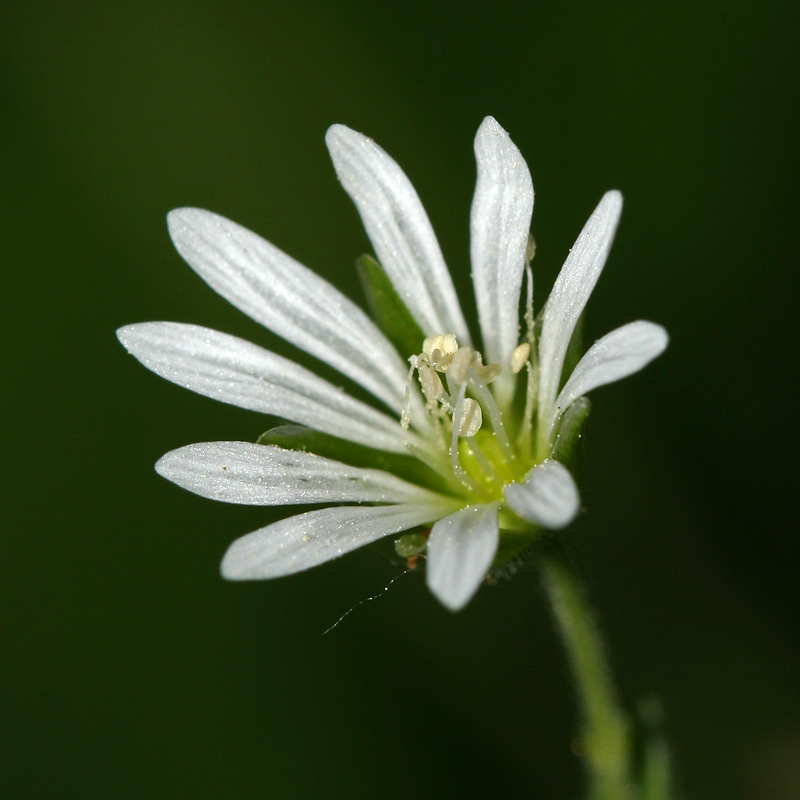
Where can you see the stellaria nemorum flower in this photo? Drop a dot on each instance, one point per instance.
(464, 456)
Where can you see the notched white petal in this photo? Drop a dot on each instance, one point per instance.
(500, 225)
(547, 497)
(266, 475)
(461, 549)
(617, 355)
(399, 230)
(234, 371)
(570, 292)
(306, 540)
(289, 299)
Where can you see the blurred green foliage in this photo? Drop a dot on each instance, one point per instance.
(130, 668)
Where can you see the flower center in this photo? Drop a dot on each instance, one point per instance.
(455, 384)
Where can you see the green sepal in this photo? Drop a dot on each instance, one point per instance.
(298, 437)
(574, 351)
(411, 544)
(387, 308)
(513, 544)
(567, 447)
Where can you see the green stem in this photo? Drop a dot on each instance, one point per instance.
(605, 740)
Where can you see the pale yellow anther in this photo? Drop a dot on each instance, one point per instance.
(530, 250)
(445, 342)
(462, 360)
(431, 384)
(489, 372)
(471, 418)
(440, 360)
(520, 356)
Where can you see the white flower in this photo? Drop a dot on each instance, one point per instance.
(484, 448)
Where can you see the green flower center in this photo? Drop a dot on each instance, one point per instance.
(469, 435)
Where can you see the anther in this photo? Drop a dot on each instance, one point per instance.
(520, 356)
(530, 250)
(431, 384)
(487, 373)
(471, 418)
(462, 360)
(446, 343)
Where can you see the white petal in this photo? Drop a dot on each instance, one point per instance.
(500, 223)
(265, 475)
(547, 497)
(304, 541)
(461, 548)
(399, 230)
(235, 371)
(570, 292)
(617, 355)
(289, 299)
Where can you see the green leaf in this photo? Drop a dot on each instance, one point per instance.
(388, 310)
(298, 437)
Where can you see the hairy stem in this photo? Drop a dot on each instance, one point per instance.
(605, 741)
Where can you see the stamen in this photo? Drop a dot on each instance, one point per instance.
(405, 414)
(488, 400)
(439, 350)
(431, 384)
(460, 365)
(520, 357)
(446, 343)
(530, 250)
(456, 423)
(471, 419)
(447, 401)
(529, 322)
(524, 436)
(458, 416)
(454, 415)
(439, 421)
(487, 373)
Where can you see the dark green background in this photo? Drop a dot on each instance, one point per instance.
(129, 667)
